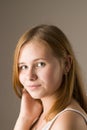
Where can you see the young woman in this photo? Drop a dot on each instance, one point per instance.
(46, 77)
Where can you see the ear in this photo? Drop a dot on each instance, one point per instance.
(68, 63)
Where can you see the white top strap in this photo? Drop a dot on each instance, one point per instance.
(77, 111)
(50, 123)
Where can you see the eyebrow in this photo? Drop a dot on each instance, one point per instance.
(21, 63)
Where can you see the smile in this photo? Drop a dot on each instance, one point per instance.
(33, 87)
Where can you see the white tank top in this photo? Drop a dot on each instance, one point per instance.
(50, 123)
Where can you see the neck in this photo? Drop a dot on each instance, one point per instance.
(47, 103)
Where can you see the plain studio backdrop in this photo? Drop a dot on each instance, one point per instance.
(16, 16)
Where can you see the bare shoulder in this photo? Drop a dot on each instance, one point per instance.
(69, 121)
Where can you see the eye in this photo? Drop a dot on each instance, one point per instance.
(40, 64)
(23, 67)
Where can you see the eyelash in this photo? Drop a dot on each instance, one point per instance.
(23, 67)
(36, 65)
(40, 64)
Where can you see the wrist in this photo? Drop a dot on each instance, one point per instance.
(22, 124)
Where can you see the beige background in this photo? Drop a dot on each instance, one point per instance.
(18, 15)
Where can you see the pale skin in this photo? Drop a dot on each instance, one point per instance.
(41, 75)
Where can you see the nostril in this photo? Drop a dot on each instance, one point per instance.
(33, 77)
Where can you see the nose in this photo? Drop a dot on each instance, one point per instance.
(31, 74)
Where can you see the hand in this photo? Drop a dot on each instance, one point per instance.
(30, 108)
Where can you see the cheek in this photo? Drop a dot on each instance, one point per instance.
(21, 79)
(47, 73)
(44, 76)
(52, 77)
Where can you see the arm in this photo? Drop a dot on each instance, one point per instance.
(22, 124)
(29, 112)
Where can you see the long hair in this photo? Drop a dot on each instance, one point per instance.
(72, 85)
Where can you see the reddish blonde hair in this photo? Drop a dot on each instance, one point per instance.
(72, 86)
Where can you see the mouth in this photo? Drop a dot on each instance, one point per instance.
(34, 87)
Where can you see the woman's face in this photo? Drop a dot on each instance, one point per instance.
(39, 71)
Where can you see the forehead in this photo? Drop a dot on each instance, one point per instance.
(35, 49)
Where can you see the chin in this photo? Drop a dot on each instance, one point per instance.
(36, 96)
